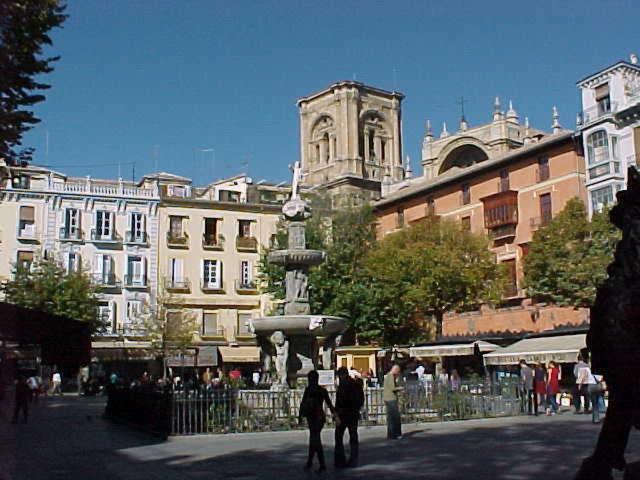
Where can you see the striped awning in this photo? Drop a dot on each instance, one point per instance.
(247, 354)
(560, 349)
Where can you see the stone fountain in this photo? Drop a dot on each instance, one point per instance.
(295, 338)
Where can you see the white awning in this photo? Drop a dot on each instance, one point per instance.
(453, 350)
(240, 354)
(561, 349)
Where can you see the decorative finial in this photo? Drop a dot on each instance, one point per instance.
(497, 113)
(463, 124)
(429, 130)
(444, 132)
(555, 126)
(511, 113)
(527, 134)
(408, 173)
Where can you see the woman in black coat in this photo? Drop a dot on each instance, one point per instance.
(312, 408)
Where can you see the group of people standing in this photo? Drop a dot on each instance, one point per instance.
(346, 413)
(540, 387)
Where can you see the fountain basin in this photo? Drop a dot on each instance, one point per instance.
(315, 325)
(294, 258)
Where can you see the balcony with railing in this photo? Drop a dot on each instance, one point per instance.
(106, 281)
(246, 287)
(246, 244)
(211, 287)
(111, 238)
(136, 282)
(211, 241)
(177, 239)
(598, 112)
(501, 214)
(28, 233)
(177, 285)
(104, 189)
(136, 238)
(71, 234)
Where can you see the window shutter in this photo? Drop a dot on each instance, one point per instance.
(131, 224)
(143, 274)
(218, 274)
(107, 262)
(143, 223)
(602, 91)
(170, 270)
(112, 314)
(178, 269)
(98, 264)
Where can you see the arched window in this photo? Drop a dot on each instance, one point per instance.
(598, 147)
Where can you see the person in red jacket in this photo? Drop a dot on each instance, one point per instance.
(553, 388)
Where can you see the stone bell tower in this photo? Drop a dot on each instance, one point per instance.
(351, 139)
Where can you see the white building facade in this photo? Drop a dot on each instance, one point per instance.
(610, 128)
(108, 228)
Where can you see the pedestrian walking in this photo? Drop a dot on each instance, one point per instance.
(456, 381)
(596, 388)
(580, 389)
(312, 409)
(553, 387)
(528, 394)
(540, 385)
(585, 378)
(56, 383)
(349, 401)
(390, 396)
(34, 388)
(23, 393)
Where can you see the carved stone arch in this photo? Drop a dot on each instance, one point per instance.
(322, 124)
(461, 152)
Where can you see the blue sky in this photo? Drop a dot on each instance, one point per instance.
(157, 82)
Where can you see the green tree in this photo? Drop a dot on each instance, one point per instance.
(568, 257)
(429, 269)
(46, 286)
(24, 31)
(168, 326)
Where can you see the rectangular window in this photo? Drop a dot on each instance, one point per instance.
(175, 226)
(603, 99)
(546, 213)
(601, 198)
(176, 275)
(137, 220)
(543, 169)
(27, 225)
(24, 260)
(177, 191)
(210, 231)
(136, 271)
(134, 311)
(243, 323)
(504, 180)
(103, 269)
(400, 218)
(211, 274)
(229, 196)
(466, 224)
(106, 317)
(244, 228)
(431, 207)
(72, 222)
(210, 323)
(246, 274)
(73, 262)
(466, 194)
(104, 221)
(511, 289)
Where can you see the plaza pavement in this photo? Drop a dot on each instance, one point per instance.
(67, 439)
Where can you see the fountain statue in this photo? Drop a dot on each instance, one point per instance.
(294, 337)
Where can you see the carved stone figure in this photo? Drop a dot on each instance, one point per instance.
(614, 338)
(281, 344)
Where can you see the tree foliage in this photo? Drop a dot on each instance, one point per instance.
(48, 287)
(568, 257)
(429, 269)
(168, 326)
(24, 31)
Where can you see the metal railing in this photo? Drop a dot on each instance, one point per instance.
(131, 281)
(139, 238)
(70, 234)
(211, 287)
(111, 237)
(225, 409)
(177, 239)
(597, 112)
(246, 287)
(246, 244)
(106, 280)
(212, 242)
(183, 284)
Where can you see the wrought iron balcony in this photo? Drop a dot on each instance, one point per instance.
(132, 282)
(211, 287)
(106, 281)
(177, 240)
(246, 288)
(177, 284)
(110, 238)
(28, 233)
(246, 244)
(136, 238)
(598, 112)
(212, 242)
(71, 234)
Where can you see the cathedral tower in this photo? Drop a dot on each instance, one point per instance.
(351, 139)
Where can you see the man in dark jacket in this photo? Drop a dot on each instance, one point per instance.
(23, 393)
(349, 401)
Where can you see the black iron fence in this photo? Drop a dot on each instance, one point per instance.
(202, 411)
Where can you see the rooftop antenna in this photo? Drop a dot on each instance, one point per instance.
(213, 158)
(155, 153)
(395, 79)
(119, 170)
(245, 166)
